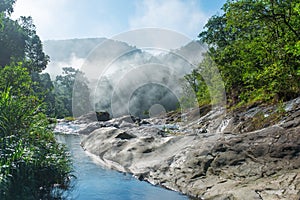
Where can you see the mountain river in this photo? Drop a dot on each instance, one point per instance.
(96, 182)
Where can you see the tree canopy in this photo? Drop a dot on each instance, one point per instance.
(256, 46)
(19, 41)
(6, 6)
(71, 82)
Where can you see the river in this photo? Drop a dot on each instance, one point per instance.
(95, 182)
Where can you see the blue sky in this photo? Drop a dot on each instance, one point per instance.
(66, 19)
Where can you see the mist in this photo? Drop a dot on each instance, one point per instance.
(124, 79)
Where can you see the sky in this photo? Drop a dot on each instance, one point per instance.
(68, 19)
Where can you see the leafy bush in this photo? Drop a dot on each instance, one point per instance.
(33, 164)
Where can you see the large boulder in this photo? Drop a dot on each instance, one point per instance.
(93, 117)
(102, 116)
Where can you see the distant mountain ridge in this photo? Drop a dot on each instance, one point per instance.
(62, 50)
(73, 52)
(124, 79)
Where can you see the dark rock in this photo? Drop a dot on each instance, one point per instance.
(125, 136)
(162, 133)
(140, 177)
(135, 119)
(259, 150)
(148, 139)
(203, 130)
(148, 151)
(102, 116)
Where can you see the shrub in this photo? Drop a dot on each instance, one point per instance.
(33, 164)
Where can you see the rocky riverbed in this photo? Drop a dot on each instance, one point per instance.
(253, 153)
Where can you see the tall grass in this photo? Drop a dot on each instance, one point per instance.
(32, 163)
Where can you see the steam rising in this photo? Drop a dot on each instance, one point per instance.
(142, 81)
(135, 80)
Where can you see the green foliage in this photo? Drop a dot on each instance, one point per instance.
(7, 6)
(199, 89)
(43, 87)
(17, 79)
(12, 42)
(255, 44)
(206, 82)
(21, 82)
(20, 43)
(71, 82)
(32, 162)
(35, 59)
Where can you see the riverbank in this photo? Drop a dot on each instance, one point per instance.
(249, 154)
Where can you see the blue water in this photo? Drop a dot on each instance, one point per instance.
(95, 182)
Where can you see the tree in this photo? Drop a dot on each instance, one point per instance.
(255, 45)
(6, 6)
(43, 87)
(35, 59)
(12, 42)
(72, 84)
(20, 43)
(206, 83)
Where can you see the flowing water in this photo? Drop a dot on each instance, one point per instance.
(95, 182)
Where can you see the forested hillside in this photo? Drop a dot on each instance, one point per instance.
(256, 47)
